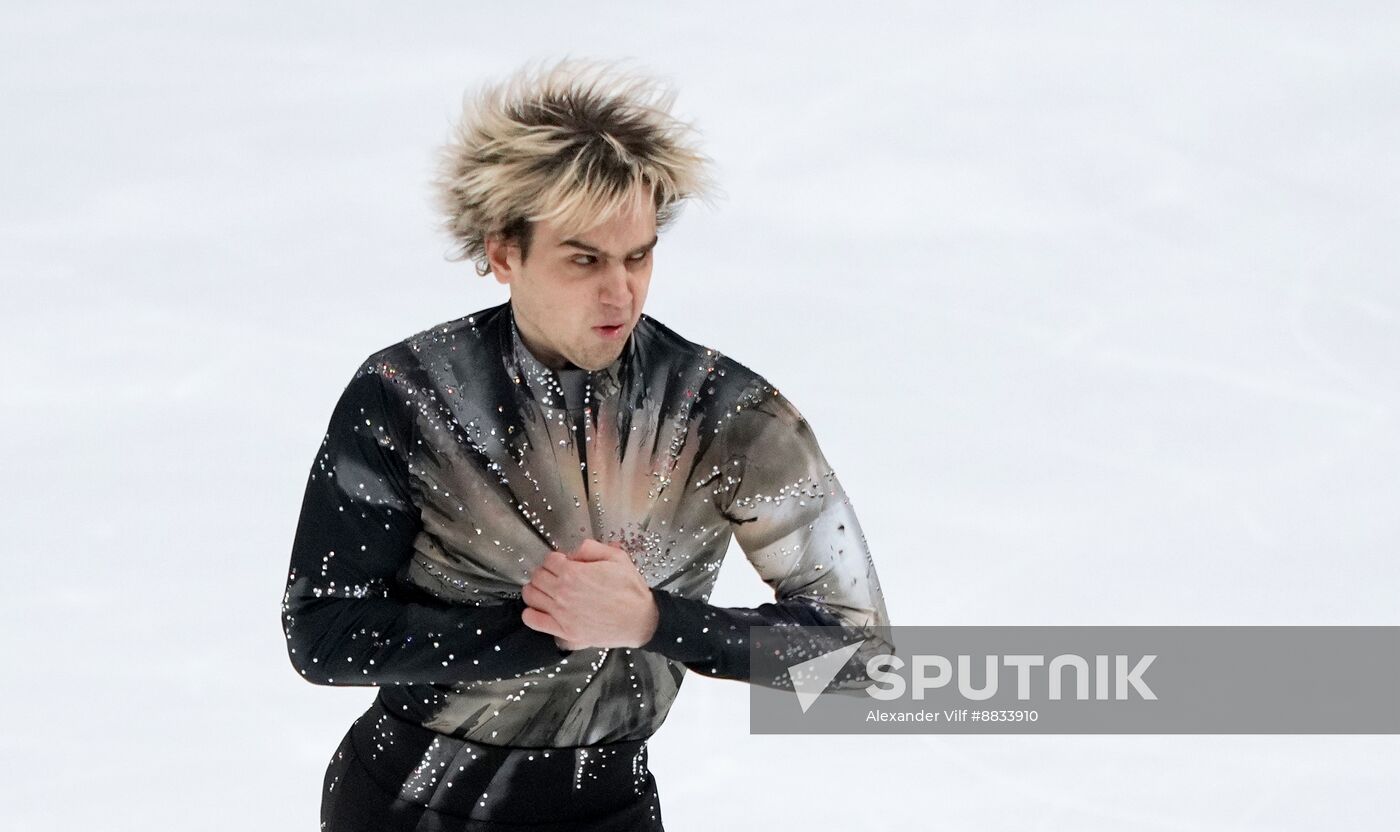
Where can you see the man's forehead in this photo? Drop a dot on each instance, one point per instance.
(624, 233)
(583, 241)
(630, 227)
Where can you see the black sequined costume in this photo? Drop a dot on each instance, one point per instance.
(453, 463)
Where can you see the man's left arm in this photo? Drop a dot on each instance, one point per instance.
(797, 528)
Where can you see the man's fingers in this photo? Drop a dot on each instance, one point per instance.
(592, 550)
(541, 621)
(555, 562)
(547, 582)
(537, 598)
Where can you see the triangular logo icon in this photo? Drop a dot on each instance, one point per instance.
(811, 677)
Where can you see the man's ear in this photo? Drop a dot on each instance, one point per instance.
(499, 254)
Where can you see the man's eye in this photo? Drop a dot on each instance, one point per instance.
(583, 259)
(641, 255)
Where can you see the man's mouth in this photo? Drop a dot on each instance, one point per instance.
(609, 330)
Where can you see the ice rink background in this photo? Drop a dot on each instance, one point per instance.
(1126, 272)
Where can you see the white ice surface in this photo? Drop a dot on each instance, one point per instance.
(1127, 271)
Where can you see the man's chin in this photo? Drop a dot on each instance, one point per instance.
(594, 363)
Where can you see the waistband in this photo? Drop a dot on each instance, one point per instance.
(524, 785)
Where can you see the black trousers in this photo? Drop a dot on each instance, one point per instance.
(390, 774)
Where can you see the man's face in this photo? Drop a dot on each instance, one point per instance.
(577, 297)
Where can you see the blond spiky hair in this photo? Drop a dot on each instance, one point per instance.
(567, 143)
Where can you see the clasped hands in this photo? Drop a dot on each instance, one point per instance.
(593, 597)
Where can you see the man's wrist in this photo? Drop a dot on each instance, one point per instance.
(663, 636)
(651, 619)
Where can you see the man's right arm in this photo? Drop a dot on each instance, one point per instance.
(346, 621)
(797, 527)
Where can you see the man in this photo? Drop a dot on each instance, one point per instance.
(516, 517)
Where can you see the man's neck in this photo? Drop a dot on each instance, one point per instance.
(551, 360)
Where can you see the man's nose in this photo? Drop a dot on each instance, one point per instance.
(616, 291)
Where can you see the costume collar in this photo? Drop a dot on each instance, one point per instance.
(544, 383)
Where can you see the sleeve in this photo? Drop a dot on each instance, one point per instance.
(797, 528)
(346, 620)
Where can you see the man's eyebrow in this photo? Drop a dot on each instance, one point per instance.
(595, 250)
